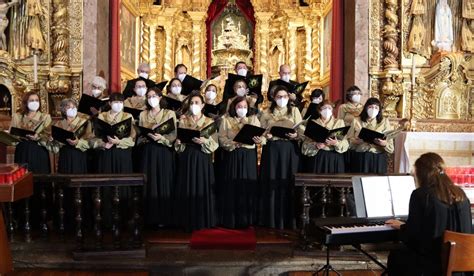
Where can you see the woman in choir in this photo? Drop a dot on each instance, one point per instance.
(114, 155)
(157, 161)
(325, 157)
(194, 194)
(98, 86)
(367, 157)
(32, 150)
(138, 100)
(352, 108)
(72, 156)
(173, 90)
(316, 97)
(237, 200)
(279, 163)
(210, 94)
(241, 90)
(435, 206)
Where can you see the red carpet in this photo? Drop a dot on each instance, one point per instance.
(222, 238)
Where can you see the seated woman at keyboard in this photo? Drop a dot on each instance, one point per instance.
(435, 206)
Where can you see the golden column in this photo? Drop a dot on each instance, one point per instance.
(199, 33)
(292, 48)
(145, 51)
(261, 37)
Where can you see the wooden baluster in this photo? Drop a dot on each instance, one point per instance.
(44, 212)
(324, 201)
(11, 223)
(61, 210)
(78, 208)
(27, 227)
(342, 201)
(116, 216)
(136, 218)
(306, 202)
(348, 193)
(97, 218)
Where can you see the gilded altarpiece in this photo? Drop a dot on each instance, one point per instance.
(284, 33)
(53, 30)
(434, 90)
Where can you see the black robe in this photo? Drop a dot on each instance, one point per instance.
(422, 234)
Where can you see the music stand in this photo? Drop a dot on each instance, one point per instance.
(325, 269)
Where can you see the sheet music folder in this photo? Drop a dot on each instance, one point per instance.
(319, 133)
(382, 196)
(87, 102)
(61, 134)
(369, 135)
(121, 129)
(164, 128)
(246, 134)
(186, 135)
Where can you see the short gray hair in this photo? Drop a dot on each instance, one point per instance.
(141, 65)
(64, 104)
(99, 82)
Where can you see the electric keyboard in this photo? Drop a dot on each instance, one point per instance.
(349, 231)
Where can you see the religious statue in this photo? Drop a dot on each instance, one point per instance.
(443, 27)
(34, 36)
(4, 7)
(231, 36)
(417, 34)
(467, 29)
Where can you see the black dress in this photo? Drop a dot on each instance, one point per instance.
(279, 163)
(368, 162)
(34, 156)
(422, 234)
(326, 161)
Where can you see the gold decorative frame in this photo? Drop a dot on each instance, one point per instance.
(128, 70)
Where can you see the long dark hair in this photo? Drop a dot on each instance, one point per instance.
(277, 89)
(349, 92)
(158, 92)
(233, 104)
(430, 171)
(168, 87)
(364, 116)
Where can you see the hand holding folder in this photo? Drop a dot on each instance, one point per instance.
(246, 134)
(162, 129)
(186, 135)
(120, 130)
(62, 135)
(369, 136)
(88, 104)
(320, 134)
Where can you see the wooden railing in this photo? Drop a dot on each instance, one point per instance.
(51, 187)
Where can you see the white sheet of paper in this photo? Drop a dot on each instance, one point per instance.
(377, 197)
(402, 186)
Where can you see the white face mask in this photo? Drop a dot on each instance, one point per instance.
(33, 106)
(117, 107)
(143, 75)
(96, 92)
(140, 91)
(71, 112)
(176, 90)
(285, 77)
(241, 92)
(317, 100)
(241, 112)
(372, 112)
(242, 72)
(326, 113)
(282, 102)
(356, 98)
(195, 109)
(153, 102)
(181, 76)
(211, 95)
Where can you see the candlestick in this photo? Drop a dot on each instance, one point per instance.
(35, 68)
(413, 68)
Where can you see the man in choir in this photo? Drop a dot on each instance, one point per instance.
(240, 69)
(138, 100)
(285, 74)
(241, 90)
(143, 74)
(180, 71)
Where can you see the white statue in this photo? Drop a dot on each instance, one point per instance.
(4, 7)
(443, 27)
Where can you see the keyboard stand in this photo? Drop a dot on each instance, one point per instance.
(358, 247)
(327, 267)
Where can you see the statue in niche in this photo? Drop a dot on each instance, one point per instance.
(418, 31)
(34, 37)
(4, 7)
(468, 9)
(467, 35)
(231, 36)
(449, 103)
(443, 40)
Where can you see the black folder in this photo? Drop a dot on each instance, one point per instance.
(293, 87)
(246, 134)
(161, 85)
(87, 102)
(186, 135)
(21, 132)
(281, 132)
(61, 135)
(163, 129)
(254, 82)
(121, 129)
(299, 88)
(190, 84)
(319, 133)
(213, 109)
(8, 139)
(173, 104)
(369, 135)
(312, 111)
(134, 111)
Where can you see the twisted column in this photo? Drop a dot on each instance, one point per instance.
(390, 35)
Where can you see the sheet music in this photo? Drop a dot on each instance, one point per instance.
(377, 196)
(401, 186)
